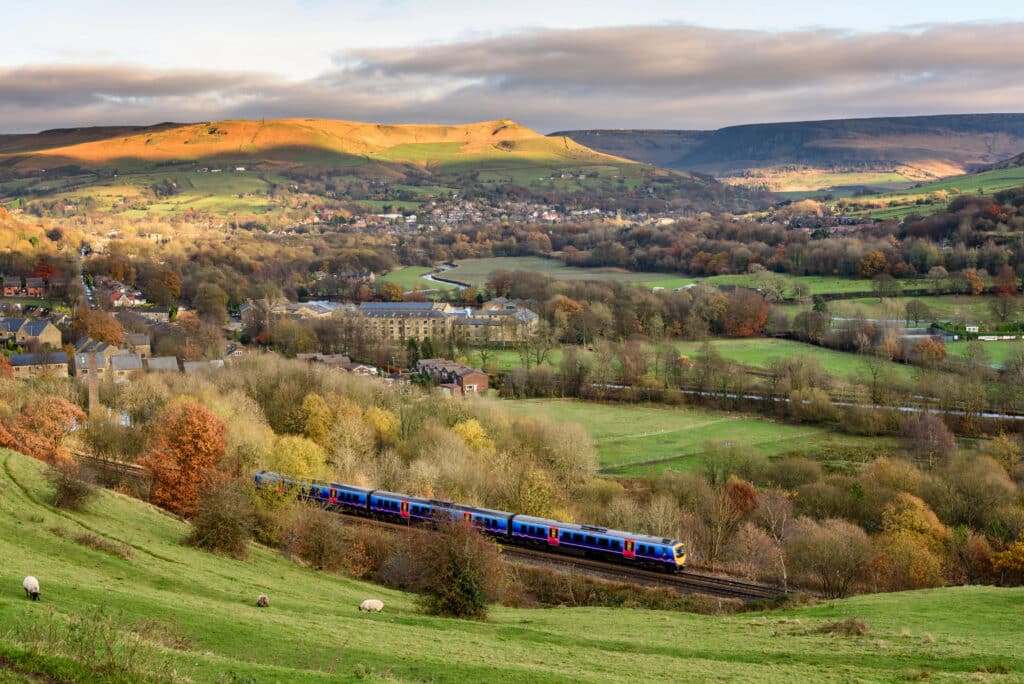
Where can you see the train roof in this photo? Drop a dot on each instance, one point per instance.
(645, 538)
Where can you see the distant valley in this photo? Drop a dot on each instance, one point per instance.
(881, 153)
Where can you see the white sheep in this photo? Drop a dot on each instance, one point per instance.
(31, 585)
(262, 601)
(372, 605)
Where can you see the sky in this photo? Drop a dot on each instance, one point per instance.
(552, 65)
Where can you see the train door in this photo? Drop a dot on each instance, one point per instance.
(467, 517)
(629, 549)
(334, 495)
(553, 536)
(404, 510)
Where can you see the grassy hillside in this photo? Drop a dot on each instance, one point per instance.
(207, 629)
(637, 440)
(815, 155)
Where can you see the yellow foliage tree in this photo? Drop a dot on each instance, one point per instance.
(384, 423)
(473, 434)
(298, 457)
(319, 419)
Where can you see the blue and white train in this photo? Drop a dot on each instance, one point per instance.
(511, 528)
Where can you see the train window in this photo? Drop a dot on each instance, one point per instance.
(603, 543)
(642, 548)
(616, 545)
(566, 536)
(590, 540)
(576, 537)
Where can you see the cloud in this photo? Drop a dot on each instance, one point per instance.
(647, 76)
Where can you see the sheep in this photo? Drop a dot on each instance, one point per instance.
(31, 585)
(372, 605)
(262, 601)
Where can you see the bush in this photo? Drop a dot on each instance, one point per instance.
(317, 537)
(70, 492)
(462, 572)
(225, 519)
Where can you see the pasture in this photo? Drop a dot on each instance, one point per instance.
(411, 278)
(193, 617)
(637, 440)
(477, 272)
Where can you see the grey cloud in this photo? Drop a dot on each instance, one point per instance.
(661, 76)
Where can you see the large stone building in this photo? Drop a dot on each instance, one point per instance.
(497, 321)
(25, 331)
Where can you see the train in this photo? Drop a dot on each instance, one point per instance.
(554, 536)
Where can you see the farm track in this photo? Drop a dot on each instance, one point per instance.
(684, 582)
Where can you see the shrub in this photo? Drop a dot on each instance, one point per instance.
(225, 519)
(70, 492)
(99, 543)
(462, 572)
(317, 537)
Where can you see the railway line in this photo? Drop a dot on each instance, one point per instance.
(683, 582)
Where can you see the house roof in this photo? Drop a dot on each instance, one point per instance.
(35, 328)
(396, 307)
(34, 282)
(12, 281)
(136, 339)
(196, 366)
(11, 325)
(47, 359)
(89, 345)
(126, 362)
(162, 363)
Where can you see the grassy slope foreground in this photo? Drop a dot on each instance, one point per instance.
(312, 631)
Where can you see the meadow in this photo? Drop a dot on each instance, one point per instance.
(757, 352)
(195, 619)
(639, 440)
(477, 272)
(411, 278)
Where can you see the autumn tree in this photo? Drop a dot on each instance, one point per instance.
(99, 325)
(186, 442)
(975, 283)
(926, 438)
(1006, 282)
(930, 352)
(40, 428)
(211, 303)
(871, 264)
(5, 368)
(917, 311)
(461, 571)
(911, 546)
(745, 314)
(833, 554)
(297, 457)
(319, 419)
(391, 292)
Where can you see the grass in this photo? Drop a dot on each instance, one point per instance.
(754, 352)
(212, 630)
(759, 352)
(998, 352)
(478, 271)
(935, 196)
(959, 308)
(636, 440)
(411, 278)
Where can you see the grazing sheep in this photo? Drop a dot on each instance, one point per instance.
(262, 601)
(373, 605)
(31, 585)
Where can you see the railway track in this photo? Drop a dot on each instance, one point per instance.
(684, 582)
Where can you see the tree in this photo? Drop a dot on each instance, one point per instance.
(225, 519)
(745, 314)
(917, 311)
(319, 419)
(473, 434)
(461, 571)
(6, 371)
(186, 442)
(832, 554)
(1004, 307)
(211, 303)
(298, 457)
(40, 428)
(976, 284)
(99, 325)
(871, 264)
(926, 438)
(391, 292)
(1006, 283)
(384, 424)
(930, 352)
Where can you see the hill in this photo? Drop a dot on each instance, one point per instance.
(811, 155)
(252, 167)
(172, 613)
(1011, 163)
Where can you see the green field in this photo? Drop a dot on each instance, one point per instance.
(208, 628)
(998, 352)
(756, 352)
(411, 278)
(478, 271)
(759, 352)
(956, 308)
(636, 440)
(987, 182)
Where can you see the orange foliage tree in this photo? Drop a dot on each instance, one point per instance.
(975, 281)
(186, 443)
(745, 314)
(872, 264)
(39, 429)
(99, 325)
(5, 368)
(931, 352)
